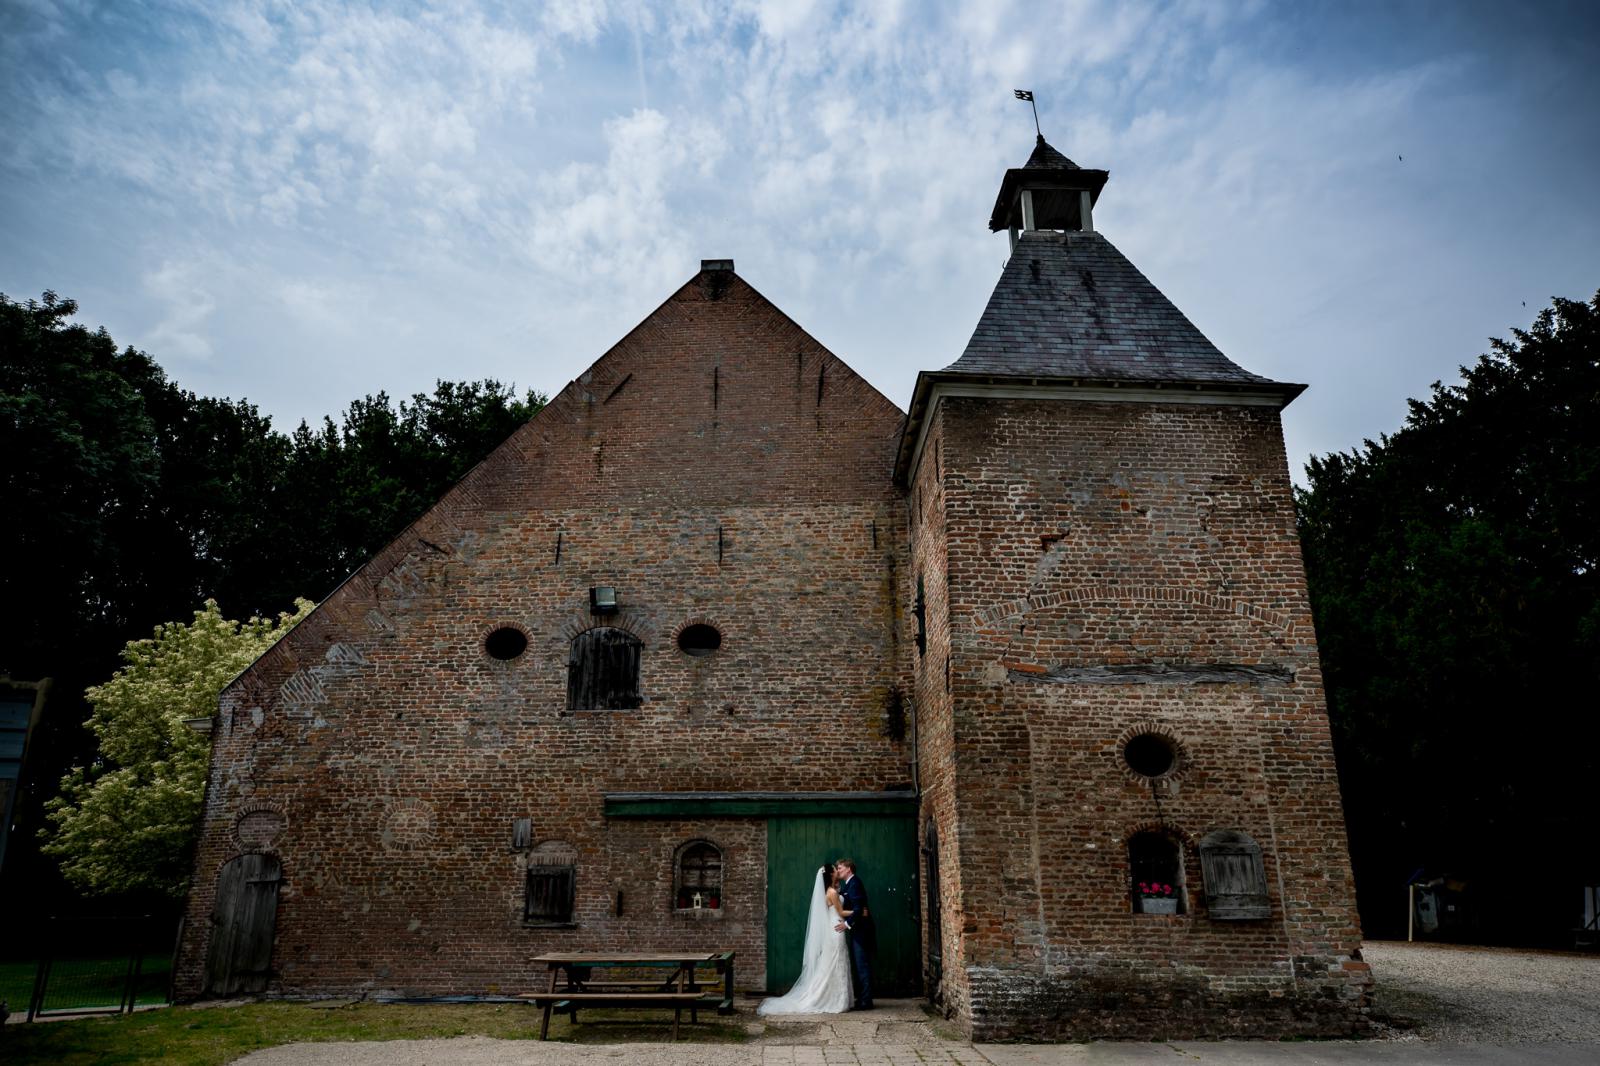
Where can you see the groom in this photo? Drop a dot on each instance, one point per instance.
(853, 894)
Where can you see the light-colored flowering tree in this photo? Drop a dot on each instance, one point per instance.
(126, 823)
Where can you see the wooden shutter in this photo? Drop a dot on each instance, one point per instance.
(1235, 877)
(552, 893)
(243, 921)
(603, 671)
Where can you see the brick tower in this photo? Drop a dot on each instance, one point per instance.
(1130, 815)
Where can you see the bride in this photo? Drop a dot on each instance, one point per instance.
(824, 983)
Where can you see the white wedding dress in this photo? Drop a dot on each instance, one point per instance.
(824, 983)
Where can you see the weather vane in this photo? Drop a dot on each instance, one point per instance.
(1027, 94)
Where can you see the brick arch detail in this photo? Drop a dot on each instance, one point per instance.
(697, 620)
(1186, 839)
(258, 807)
(558, 847)
(394, 812)
(284, 863)
(626, 619)
(679, 849)
(989, 617)
(1160, 729)
(495, 625)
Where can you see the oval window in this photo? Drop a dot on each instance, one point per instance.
(506, 643)
(1150, 754)
(699, 640)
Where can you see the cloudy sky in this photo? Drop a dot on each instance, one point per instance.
(301, 203)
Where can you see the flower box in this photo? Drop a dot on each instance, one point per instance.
(1159, 905)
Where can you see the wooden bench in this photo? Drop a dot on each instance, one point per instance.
(569, 1002)
(569, 983)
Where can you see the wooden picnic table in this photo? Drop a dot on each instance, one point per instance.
(677, 989)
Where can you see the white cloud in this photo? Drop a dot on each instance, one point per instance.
(183, 329)
(445, 190)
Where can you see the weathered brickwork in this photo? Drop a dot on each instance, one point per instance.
(1056, 576)
(936, 746)
(1081, 536)
(717, 466)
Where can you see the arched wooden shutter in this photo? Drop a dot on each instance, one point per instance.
(243, 921)
(552, 888)
(1235, 877)
(603, 671)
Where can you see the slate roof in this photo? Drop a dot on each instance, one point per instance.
(1069, 305)
(1045, 157)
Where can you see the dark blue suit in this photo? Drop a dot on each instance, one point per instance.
(853, 894)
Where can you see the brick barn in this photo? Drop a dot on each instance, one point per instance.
(1038, 654)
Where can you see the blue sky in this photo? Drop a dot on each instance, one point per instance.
(304, 203)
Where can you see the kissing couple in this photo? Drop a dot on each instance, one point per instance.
(836, 968)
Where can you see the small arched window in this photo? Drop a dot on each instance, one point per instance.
(603, 671)
(1155, 866)
(699, 877)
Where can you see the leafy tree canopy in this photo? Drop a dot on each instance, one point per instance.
(1452, 573)
(134, 499)
(130, 500)
(127, 822)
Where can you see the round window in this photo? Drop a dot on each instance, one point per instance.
(1150, 754)
(505, 643)
(699, 640)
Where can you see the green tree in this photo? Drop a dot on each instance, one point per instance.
(77, 470)
(129, 500)
(132, 499)
(127, 822)
(351, 487)
(1452, 574)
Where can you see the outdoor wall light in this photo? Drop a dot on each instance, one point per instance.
(603, 600)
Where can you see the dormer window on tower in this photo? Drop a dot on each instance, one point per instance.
(1048, 192)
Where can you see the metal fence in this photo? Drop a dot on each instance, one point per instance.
(92, 965)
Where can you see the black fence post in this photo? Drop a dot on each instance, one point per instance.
(125, 1004)
(41, 976)
(177, 948)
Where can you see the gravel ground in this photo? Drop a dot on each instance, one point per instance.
(1473, 995)
(1447, 1006)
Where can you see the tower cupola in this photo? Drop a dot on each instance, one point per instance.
(1048, 192)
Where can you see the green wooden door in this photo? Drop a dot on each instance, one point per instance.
(884, 848)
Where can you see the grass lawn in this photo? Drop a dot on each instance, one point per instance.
(208, 1036)
(77, 984)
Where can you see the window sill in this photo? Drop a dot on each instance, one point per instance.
(703, 912)
(527, 924)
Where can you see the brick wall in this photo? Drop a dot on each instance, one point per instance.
(935, 724)
(1084, 535)
(716, 466)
